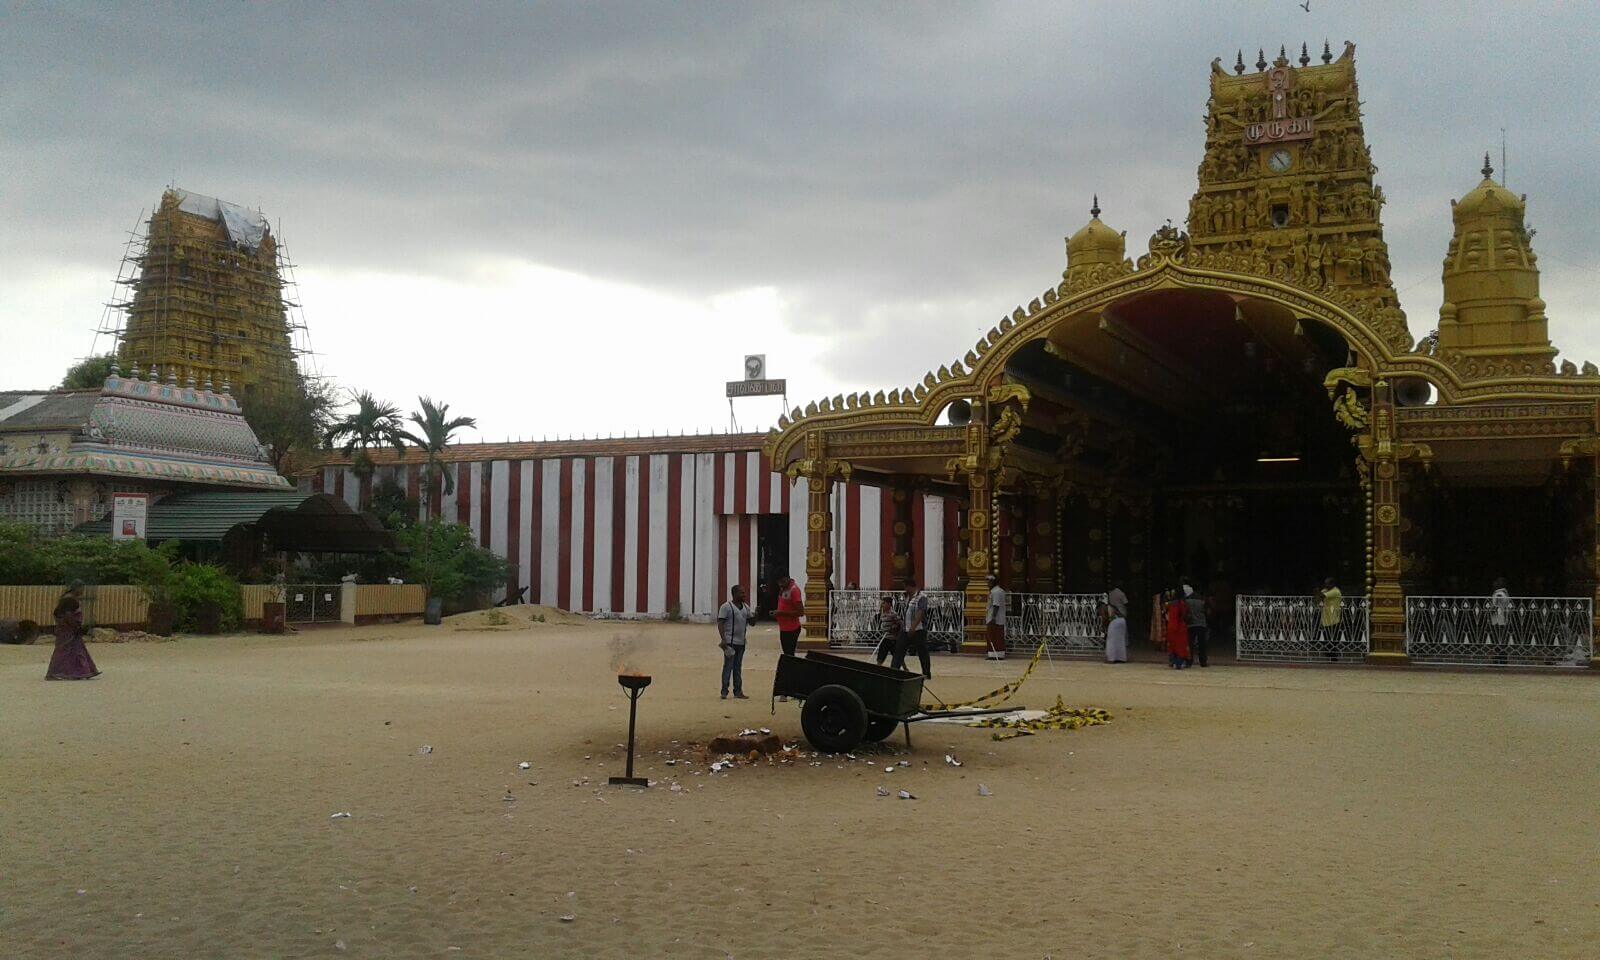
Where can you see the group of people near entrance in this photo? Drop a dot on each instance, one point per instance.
(899, 635)
(1184, 612)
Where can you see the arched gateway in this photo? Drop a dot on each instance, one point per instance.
(1245, 405)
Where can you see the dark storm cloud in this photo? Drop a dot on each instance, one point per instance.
(903, 173)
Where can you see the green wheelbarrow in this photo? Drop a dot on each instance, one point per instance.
(848, 701)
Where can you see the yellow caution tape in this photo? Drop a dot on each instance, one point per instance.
(1058, 717)
(999, 694)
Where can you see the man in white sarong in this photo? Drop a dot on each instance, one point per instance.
(1117, 637)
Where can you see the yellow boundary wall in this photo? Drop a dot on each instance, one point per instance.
(102, 604)
(126, 605)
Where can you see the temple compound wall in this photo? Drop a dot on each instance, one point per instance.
(658, 526)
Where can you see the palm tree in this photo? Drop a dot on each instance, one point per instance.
(434, 430)
(372, 423)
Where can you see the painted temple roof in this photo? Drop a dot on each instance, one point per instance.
(137, 429)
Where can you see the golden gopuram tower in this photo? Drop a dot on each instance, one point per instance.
(207, 298)
(1286, 183)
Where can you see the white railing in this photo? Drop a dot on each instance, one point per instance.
(1068, 624)
(1290, 629)
(854, 622)
(1512, 631)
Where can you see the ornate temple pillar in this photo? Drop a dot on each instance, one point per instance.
(819, 473)
(1040, 540)
(980, 561)
(1384, 457)
(902, 511)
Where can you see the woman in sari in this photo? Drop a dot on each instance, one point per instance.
(71, 661)
(1177, 616)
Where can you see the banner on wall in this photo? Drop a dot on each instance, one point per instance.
(128, 511)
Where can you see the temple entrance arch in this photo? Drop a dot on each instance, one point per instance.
(1193, 436)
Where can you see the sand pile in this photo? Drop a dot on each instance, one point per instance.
(518, 617)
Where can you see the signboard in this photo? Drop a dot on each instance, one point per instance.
(757, 388)
(1279, 131)
(127, 515)
(1281, 127)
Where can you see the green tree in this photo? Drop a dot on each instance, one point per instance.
(435, 427)
(445, 559)
(88, 373)
(373, 423)
(288, 420)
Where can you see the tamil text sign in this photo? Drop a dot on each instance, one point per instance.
(757, 388)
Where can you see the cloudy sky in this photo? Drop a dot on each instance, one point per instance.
(578, 218)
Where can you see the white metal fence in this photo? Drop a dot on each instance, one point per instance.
(1289, 629)
(1512, 631)
(854, 622)
(1068, 624)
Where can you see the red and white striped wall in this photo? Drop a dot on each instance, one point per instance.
(643, 533)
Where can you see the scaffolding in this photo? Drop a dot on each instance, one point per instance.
(208, 301)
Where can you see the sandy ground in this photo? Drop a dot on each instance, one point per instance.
(180, 807)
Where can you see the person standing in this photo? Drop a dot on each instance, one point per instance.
(891, 627)
(916, 633)
(71, 660)
(1332, 614)
(1177, 620)
(1199, 633)
(791, 607)
(1116, 633)
(1118, 602)
(733, 618)
(994, 621)
(1499, 623)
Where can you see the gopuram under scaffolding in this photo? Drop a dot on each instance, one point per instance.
(205, 301)
(1244, 405)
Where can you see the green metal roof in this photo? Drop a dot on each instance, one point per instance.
(310, 522)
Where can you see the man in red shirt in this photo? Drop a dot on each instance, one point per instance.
(791, 606)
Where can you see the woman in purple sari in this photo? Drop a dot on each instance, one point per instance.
(71, 660)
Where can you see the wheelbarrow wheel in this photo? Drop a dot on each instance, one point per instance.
(834, 718)
(880, 729)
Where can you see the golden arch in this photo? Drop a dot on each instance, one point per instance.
(1378, 346)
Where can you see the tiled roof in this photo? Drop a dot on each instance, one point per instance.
(135, 428)
(49, 410)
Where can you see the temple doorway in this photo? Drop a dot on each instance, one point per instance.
(772, 560)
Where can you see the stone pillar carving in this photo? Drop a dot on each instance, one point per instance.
(819, 473)
(1384, 456)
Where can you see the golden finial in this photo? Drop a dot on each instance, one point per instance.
(1488, 171)
(1094, 211)
(1261, 59)
(1327, 54)
(1305, 57)
(1238, 63)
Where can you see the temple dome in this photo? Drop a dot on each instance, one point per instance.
(1492, 310)
(1488, 200)
(1095, 243)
